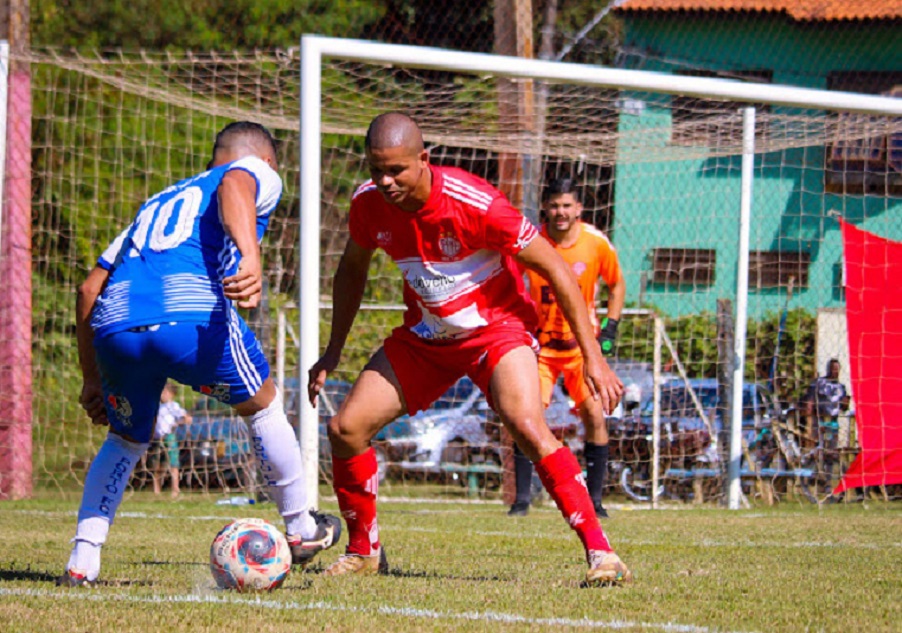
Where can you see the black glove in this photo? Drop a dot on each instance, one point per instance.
(608, 335)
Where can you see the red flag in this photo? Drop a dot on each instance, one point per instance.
(873, 268)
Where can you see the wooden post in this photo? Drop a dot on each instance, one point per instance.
(15, 264)
(513, 36)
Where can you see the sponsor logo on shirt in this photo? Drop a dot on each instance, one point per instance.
(383, 238)
(427, 286)
(219, 391)
(579, 268)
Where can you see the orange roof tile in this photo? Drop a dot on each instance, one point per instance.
(802, 10)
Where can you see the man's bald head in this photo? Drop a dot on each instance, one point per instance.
(394, 129)
(244, 138)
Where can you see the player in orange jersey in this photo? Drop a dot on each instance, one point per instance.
(590, 256)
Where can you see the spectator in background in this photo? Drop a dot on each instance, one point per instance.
(825, 400)
(827, 397)
(164, 448)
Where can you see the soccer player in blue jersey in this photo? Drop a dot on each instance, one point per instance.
(160, 304)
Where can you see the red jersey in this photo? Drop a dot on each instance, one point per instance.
(455, 253)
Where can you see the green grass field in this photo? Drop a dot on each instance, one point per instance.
(464, 567)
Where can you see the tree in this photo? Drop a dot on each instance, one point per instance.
(197, 25)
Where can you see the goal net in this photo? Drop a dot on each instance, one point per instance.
(658, 171)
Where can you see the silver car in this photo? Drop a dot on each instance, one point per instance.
(448, 440)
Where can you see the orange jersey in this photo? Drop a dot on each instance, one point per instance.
(590, 257)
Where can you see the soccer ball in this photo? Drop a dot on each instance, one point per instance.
(250, 555)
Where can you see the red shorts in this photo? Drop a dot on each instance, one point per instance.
(571, 365)
(426, 369)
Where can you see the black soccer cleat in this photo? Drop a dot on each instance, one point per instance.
(328, 531)
(519, 509)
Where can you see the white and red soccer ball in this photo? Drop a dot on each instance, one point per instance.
(250, 555)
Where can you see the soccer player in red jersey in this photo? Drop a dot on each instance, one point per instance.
(458, 243)
(589, 253)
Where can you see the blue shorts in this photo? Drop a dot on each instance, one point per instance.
(221, 360)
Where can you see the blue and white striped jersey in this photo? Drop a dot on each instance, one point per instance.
(168, 265)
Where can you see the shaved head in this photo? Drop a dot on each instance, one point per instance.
(394, 129)
(244, 138)
(397, 160)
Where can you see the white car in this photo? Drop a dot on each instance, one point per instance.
(448, 439)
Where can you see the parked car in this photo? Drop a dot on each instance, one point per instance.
(450, 435)
(637, 378)
(759, 407)
(457, 434)
(330, 399)
(690, 447)
(214, 450)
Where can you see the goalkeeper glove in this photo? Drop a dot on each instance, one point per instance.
(608, 336)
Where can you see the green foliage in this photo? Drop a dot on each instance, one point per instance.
(795, 365)
(196, 25)
(457, 24)
(695, 339)
(600, 45)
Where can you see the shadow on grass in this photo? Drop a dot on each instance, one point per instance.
(33, 575)
(397, 572)
(27, 574)
(123, 582)
(408, 573)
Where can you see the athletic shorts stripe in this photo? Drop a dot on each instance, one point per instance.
(246, 370)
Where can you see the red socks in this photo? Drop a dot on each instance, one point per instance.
(564, 481)
(356, 484)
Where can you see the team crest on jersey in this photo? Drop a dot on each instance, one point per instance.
(448, 244)
(383, 238)
(579, 268)
(219, 391)
(122, 407)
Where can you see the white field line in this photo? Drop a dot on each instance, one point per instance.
(409, 612)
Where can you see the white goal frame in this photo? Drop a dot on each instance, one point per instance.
(314, 49)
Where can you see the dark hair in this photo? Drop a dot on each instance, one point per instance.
(560, 186)
(244, 128)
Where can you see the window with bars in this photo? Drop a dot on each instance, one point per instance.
(779, 269)
(683, 266)
(705, 122)
(862, 158)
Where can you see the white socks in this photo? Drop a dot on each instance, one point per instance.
(104, 487)
(279, 460)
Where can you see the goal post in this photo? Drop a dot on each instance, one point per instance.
(659, 171)
(797, 122)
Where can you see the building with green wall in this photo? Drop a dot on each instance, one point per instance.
(677, 179)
